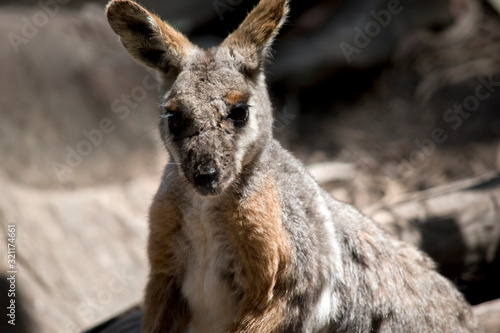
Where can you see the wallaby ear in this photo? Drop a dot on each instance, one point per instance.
(146, 37)
(254, 36)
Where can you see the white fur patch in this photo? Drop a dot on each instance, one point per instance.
(326, 308)
(251, 133)
(210, 298)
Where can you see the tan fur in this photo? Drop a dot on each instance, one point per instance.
(260, 26)
(173, 105)
(256, 33)
(256, 229)
(160, 306)
(172, 37)
(166, 268)
(235, 97)
(137, 27)
(166, 221)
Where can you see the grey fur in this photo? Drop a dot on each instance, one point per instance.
(345, 273)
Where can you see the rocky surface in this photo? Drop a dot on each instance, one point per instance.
(81, 157)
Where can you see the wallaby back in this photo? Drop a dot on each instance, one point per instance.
(242, 239)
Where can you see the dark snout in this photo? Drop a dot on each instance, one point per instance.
(206, 177)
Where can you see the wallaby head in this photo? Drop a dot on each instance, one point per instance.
(216, 113)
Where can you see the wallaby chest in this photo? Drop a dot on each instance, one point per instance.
(210, 267)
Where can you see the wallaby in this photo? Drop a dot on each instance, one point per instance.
(242, 239)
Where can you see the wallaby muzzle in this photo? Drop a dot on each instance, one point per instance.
(206, 177)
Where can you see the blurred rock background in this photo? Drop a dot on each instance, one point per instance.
(389, 89)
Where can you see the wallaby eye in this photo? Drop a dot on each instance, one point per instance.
(239, 114)
(175, 121)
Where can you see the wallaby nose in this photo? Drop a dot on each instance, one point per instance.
(206, 175)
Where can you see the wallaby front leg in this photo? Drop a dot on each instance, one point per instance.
(266, 256)
(257, 321)
(165, 311)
